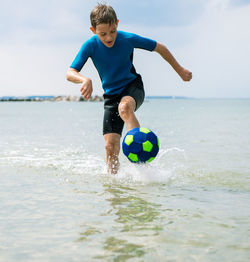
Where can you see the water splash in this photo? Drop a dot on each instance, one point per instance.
(173, 166)
(164, 169)
(74, 161)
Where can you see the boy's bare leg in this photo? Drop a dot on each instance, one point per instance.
(112, 146)
(126, 110)
(112, 140)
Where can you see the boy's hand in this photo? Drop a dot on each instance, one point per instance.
(86, 88)
(74, 76)
(185, 74)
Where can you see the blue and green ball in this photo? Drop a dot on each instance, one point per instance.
(140, 145)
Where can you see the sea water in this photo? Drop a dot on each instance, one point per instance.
(192, 203)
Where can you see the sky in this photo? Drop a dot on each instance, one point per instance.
(39, 40)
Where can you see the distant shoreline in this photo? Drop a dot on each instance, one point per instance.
(95, 98)
(49, 98)
(71, 98)
(168, 97)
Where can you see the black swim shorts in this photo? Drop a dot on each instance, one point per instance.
(112, 122)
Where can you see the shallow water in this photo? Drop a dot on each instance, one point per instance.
(190, 204)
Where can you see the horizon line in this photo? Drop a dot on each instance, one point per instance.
(146, 97)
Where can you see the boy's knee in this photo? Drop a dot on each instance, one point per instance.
(125, 108)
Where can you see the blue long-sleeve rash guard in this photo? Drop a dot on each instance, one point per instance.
(115, 64)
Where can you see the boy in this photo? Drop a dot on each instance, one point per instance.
(112, 53)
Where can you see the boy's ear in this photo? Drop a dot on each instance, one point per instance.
(92, 29)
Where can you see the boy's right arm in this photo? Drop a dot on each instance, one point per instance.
(86, 84)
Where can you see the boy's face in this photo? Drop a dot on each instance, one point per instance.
(106, 33)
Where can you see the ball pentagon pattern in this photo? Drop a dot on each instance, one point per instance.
(140, 145)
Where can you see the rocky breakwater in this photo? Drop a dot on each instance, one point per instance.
(49, 98)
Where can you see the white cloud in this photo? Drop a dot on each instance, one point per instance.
(36, 50)
(216, 48)
(39, 70)
(38, 45)
(220, 52)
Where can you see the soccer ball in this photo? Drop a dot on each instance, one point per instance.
(140, 145)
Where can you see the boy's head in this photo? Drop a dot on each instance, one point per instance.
(102, 14)
(104, 23)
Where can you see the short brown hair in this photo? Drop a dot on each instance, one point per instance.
(102, 14)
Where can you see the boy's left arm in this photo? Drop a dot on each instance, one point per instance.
(185, 74)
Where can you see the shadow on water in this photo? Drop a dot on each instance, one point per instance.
(132, 220)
